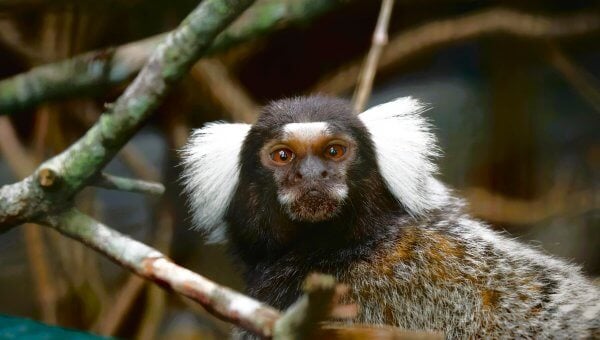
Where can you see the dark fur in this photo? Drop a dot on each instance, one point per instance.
(260, 229)
(443, 271)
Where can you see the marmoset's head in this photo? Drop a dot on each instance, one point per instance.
(310, 161)
(306, 149)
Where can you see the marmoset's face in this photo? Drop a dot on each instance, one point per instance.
(309, 163)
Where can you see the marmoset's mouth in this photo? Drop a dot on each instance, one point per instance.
(313, 205)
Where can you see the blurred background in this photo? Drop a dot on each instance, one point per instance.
(513, 86)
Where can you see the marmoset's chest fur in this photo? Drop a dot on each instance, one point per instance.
(449, 273)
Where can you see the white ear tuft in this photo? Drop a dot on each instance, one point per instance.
(405, 150)
(211, 162)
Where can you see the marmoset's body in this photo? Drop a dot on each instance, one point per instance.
(312, 187)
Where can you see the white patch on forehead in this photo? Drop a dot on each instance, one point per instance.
(305, 131)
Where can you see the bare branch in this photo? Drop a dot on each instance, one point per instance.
(56, 181)
(94, 71)
(154, 266)
(380, 39)
(436, 34)
(111, 318)
(107, 181)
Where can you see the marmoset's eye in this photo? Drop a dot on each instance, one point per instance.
(335, 151)
(282, 156)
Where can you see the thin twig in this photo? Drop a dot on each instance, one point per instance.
(367, 74)
(439, 33)
(579, 79)
(110, 319)
(107, 181)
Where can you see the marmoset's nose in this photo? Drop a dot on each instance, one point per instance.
(311, 168)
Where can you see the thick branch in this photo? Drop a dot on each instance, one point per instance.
(19, 202)
(154, 266)
(436, 34)
(60, 178)
(77, 76)
(92, 72)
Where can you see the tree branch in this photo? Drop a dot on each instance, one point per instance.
(439, 33)
(55, 182)
(107, 181)
(380, 39)
(154, 266)
(94, 71)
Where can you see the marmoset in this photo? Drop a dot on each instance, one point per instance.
(313, 187)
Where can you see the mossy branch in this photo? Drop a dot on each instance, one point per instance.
(53, 185)
(95, 71)
(46, 196)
